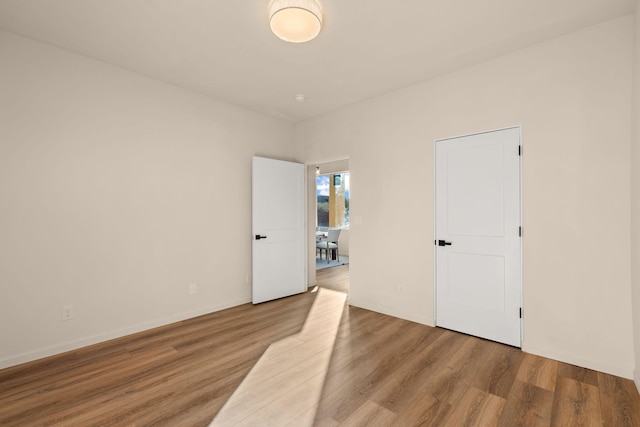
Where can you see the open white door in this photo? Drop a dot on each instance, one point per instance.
(278, 249)
(478, 247)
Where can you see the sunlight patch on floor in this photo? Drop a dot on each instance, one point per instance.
(285, 385)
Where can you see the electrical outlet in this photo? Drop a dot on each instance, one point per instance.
(67, 312)
(193, 288)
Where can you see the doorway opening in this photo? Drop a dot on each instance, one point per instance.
(332, 218)
(329, 196)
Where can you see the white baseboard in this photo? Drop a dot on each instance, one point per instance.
(118, 333)
(620, 371)
(390, 311)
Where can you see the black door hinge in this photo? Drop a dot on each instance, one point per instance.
(519, 150)
(520, 231)
(521, 312)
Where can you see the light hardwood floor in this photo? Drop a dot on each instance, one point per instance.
(290, 362)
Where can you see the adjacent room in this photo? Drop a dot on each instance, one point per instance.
(332, 200)
(129, 137)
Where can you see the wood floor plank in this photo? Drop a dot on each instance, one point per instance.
(289, 405)
(79, 389)
(576, 404)
(370, 414)
(619, 400)
(451, 382)
(409, 379)
(477, 408)
(538, 371)
(578, 373)
(155, 397)
(499, 371)
(348, 388)
(527, 406)
(424, 410)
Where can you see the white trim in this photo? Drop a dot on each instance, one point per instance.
(479, 133)
(391, 311)
(612, 369)
(118, 333)
(337, 172)
(435, 249)
(636, 379)
(521, 145)
(331, 160)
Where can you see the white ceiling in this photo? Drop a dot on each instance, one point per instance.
(367, 47)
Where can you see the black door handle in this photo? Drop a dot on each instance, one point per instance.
(258, 237)
(443, 243)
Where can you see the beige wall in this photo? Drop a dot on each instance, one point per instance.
(116, 193)
(572, 97)
(635, 199)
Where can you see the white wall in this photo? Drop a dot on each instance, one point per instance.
(117, 192)
(635, 198)
(572, 96)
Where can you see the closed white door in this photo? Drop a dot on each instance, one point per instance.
(278, 216)
(478, 243)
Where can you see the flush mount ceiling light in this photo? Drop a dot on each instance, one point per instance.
(295, 21)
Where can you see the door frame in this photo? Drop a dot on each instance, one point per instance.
(435, 284)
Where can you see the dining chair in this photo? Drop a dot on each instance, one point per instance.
(321, 233)
(330, 243)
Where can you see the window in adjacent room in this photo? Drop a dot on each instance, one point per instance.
(333, 200)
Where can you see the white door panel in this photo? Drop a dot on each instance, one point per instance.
(279, 255)
(478, 276)
(465, 270)
(479, 190)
